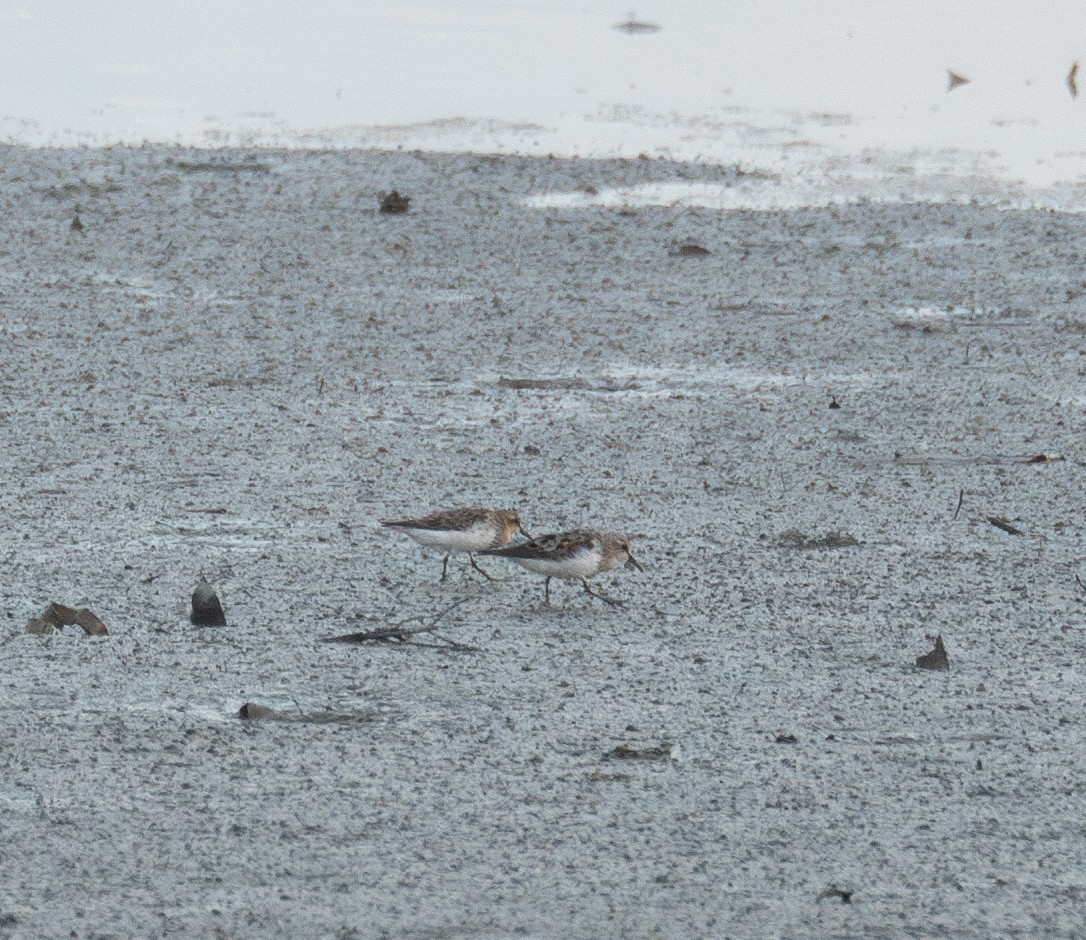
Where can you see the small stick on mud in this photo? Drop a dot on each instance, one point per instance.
(401, 633)
(1000, 523)
(961, 499)
(1079, 581)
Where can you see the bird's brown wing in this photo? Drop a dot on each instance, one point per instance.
(444, 521)
(554, 546)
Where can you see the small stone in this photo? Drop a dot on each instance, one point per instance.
(250, 711)
(833, 891)
(206, 609)
(394, 204)
(936, 659)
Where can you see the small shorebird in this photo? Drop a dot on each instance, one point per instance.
(461, 530)
(572, 556)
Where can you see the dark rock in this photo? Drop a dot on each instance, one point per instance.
(250, 711)
(206, 609)
(394, 204)
(833, 891)
(936, 659)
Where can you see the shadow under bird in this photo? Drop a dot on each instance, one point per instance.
(571, 556)
(471, 529)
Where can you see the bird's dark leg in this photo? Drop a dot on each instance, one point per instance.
(445, 568)
(602, 597)
(480, 570)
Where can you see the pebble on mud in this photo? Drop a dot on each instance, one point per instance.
(394, 204)
(250, 711)
(936, 659)
(206, 609)
(833, 891)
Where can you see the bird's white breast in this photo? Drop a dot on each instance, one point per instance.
(581, 564)
(479, 536)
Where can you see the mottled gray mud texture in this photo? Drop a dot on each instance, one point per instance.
(238, 365)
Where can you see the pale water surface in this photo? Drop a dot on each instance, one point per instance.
(842, 100)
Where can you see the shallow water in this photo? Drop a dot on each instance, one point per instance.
(836, 99)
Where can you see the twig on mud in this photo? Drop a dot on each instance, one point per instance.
(961, 499)
(1080, 582)
(402, 633)
(1000, 523)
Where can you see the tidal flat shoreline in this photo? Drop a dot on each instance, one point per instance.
(235, 365)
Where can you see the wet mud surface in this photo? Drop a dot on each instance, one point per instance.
(236, 364)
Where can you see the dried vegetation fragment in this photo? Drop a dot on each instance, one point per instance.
(543, 384)
(691, 250)
(1000, 523)
(251, 711)
(57, 616)
(220, 166)
(407, 633)
(663, 751)
(924, 320)
(796, 539)
(955, 80)
(567, 384)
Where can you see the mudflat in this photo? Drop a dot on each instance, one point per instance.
(830, 433)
